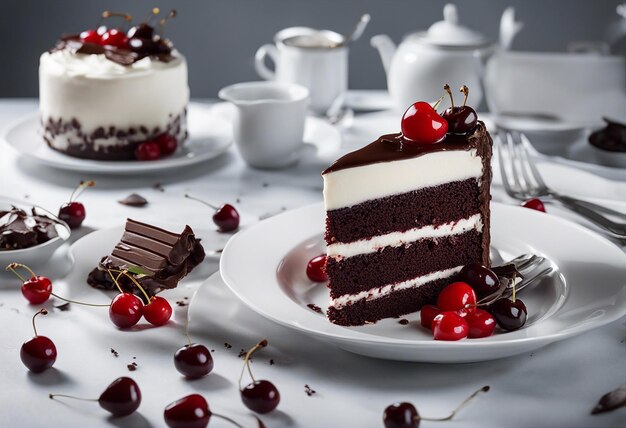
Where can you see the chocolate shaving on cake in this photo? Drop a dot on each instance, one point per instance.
(611, 401)
(134, 200)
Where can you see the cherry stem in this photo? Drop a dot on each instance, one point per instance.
(81, 188)
(108, 14)
(110, 271)
(188, 196)
(12, 267)
(155, 11)
(80, 303)
(446, 88)
(187, 329)
(246, 362)
(465, 90)
(459, 407)
(169, 16)
(438, 101)
(52, 396)
(42, 311)
(226, 418)
(513, 294)
(125, 272)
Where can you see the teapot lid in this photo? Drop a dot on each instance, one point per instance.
(450, 33)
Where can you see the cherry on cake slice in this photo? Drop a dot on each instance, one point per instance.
(405, 213)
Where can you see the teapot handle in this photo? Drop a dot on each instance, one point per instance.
(270, 51)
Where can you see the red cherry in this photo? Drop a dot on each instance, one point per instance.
(37, 289)
(126, 310)
(167, 144)
(422, 124)
(535, 204)
(427, 314)
(193, 361)
(115, 37)
(401, 415)
(260, 396)
(73, 213)
(121, 398)
(226, 218)
(316, 269)
(158, 311)
(455, 296)
(90, 36)
(38, 353)
(449, 326)
(148, 151)
(481, 323)
(191, 411)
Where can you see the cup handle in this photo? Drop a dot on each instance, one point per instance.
(267, 50)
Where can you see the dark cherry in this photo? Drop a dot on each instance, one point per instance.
(90, 36)
(461, 120)
(510, 315)
(126, 310)
(142, 45)
(482, 279)
(226, 218)
(260, 396)
(121, 398)
(73, 213)
(38, 353)
(316, 269)
(428, 314)
(141, 31)
(481, 323)
(534, 204)
(148, 151)
(37, 289)
(193, 361)
(456, 296)
(167, 144)
(115, 37)
(158, 311)
(191, 411)
(422, 124)
(401, 415)
(449, 326)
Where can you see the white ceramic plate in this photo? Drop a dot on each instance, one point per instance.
(264, 266)
(209, 137)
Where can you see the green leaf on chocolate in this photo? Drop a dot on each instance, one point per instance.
(136, 270)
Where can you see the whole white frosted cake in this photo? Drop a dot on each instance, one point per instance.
(118, 101)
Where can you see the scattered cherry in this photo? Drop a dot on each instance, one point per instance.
(126, 310)
(481, 323)
(534, 204)
(158, 311)
(455, 296)
(90, 36)
(193, 361)
(449, 326)
(509, 314)
(427, 314)
(167, 144)
(115, 37)
(36, 289)
(148, 151)
(316, 269)
(482, 279)
(121, 398)
(260, 396)
(422, 124)
(463, 119)
(38, 353)
(225, 217)
(72, 212)
(191, 411)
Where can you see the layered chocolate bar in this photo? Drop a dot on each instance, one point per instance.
(158, 259)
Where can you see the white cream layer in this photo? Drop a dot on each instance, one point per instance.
(397, 239)
(378, 292)
(98, 92)
(352, 186)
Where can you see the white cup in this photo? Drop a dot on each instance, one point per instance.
(311, 58)
(269, 122)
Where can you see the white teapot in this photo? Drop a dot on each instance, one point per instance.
(447, 53)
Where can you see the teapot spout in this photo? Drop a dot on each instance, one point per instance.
(386, 48)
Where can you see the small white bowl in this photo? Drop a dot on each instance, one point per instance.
(38, 254)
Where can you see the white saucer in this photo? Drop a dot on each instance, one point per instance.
(208, 138)
(591, 292)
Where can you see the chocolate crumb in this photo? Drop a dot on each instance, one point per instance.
(27, 196)
(212, 350)
(64, 307)
(159, 187)
(242, 353)
(403, 321)
(227, 345)
(238, 200)
(266, 184)
(134, 358)
(272, 362)
(114, 352)
(181, 303)
(134, 200)
(308, 390)
(314, 308)
(132, 367)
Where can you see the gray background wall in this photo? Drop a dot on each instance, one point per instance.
(220, 37)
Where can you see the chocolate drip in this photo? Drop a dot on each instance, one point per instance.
(20, 230)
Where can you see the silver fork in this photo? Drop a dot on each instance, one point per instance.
(523, 181)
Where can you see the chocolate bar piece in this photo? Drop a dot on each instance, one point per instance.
(158, 259)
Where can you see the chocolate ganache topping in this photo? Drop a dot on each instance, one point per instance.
(19, 230)
(611, 138)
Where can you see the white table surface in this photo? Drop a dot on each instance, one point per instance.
(553, 387)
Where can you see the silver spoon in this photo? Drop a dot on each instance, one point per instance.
(357, 32)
